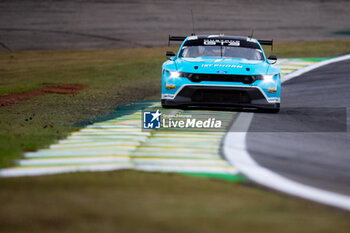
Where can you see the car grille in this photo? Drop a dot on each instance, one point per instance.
(246, 79)
(221, 96)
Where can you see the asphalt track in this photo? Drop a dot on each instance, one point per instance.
(89, 24)
(289, 144)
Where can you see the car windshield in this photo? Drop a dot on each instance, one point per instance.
(221, 51)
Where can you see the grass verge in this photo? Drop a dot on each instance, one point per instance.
(309, 49)
(127, 201)
(131, 201)
(114, 78)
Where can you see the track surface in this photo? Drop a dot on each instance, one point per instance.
(73, 24)
(320, 159)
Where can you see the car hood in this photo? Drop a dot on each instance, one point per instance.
(221, 65)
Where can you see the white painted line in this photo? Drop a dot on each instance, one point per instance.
(237, 154)
(235, 151)
(315, 66)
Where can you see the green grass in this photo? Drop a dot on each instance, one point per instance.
(114, 78)
(130, 201)
(127, 201)
(309, 49)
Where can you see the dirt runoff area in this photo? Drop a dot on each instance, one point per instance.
(13, 98)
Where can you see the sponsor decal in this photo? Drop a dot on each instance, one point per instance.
(221, 42)
(273, 100)
(272, 89)
(222, 65)
(168, 96)
(170, 86)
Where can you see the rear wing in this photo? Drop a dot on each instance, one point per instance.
(182, 38)
(176, 38)
(267, 42)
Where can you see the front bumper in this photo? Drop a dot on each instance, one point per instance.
(220, 96)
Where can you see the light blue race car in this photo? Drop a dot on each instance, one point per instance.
(221, 71)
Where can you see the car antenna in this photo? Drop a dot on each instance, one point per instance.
(193, 32)
(251, 34)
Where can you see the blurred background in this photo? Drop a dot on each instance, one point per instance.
(75, 24)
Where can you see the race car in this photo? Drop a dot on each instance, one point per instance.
(221, 71)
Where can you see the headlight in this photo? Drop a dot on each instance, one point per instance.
(174, 74)
(268, 78)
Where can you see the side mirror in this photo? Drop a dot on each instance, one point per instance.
(170, 54)
(272, 58)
